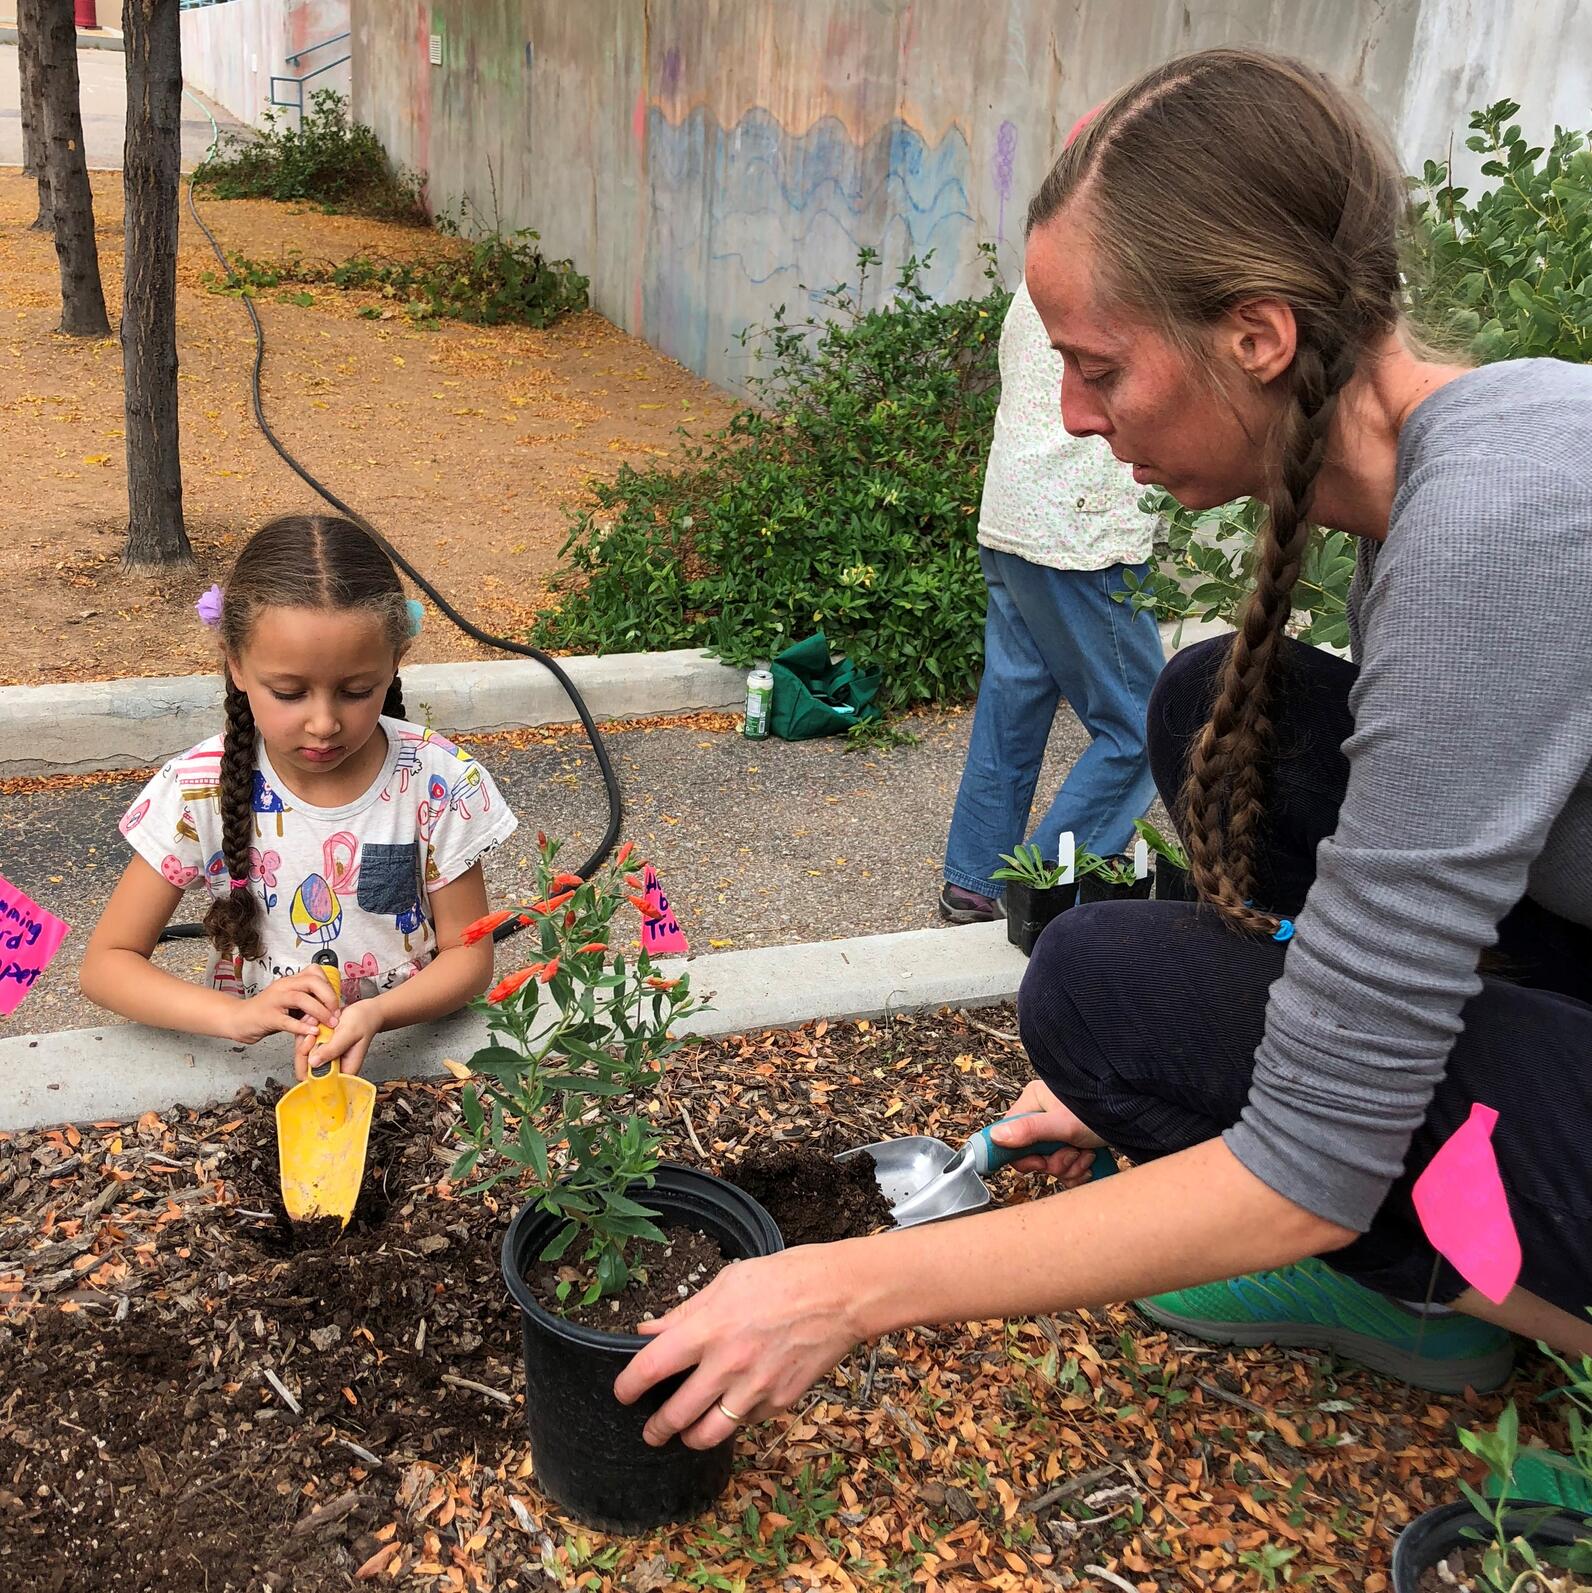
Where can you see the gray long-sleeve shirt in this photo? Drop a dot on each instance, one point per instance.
(1470, 779)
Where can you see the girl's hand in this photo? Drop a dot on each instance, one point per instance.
(298, 1004)
(1051, 1120)
(353, 1030)
(759, 1336)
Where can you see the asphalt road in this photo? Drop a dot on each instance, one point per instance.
(757, 843)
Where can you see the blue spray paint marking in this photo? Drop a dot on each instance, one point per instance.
(736, 213)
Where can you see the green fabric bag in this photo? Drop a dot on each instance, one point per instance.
(813, 697)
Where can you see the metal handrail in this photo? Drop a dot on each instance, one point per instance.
(293, 60)
(298, 104)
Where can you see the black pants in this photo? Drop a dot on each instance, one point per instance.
(1144, 1017)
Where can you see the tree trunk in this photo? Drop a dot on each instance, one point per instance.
(34, 143)
(150, 172)
(82, 297)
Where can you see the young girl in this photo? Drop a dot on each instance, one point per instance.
(327, 831)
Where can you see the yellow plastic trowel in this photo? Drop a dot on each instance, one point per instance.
(322, 1132)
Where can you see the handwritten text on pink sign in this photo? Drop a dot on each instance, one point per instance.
(29, 937)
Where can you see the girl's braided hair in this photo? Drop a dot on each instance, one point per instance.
(298, 561)
(1220, 178)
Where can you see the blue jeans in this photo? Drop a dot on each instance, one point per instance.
(1053, 634)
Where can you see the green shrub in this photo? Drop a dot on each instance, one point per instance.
(845, 500)
(326, 159)
(1510, 273)
(498, 277)
(1501, 277)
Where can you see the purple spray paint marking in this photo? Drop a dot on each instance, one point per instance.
(1001, 169)
(671, 69)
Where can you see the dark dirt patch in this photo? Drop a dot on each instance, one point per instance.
(810, 1195)
(660, 1278)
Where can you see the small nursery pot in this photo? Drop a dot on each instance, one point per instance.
(586, 1448)
(1437, 1533)
(1091, 888)
(1029, 910)
(1172, 884)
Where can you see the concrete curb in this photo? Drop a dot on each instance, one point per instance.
(103, 39)
(138, 723)
(90, 1075)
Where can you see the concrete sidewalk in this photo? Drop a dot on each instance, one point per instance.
(102, 75)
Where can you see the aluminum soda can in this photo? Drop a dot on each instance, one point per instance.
(759, 703)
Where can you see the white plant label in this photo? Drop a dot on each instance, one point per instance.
(1066, 854)
(1141, 858)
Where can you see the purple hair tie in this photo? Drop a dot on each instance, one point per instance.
(208, 608)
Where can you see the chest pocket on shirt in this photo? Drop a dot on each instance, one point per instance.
(390, 881)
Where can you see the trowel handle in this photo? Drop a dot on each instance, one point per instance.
(988, 1155)
(334, 977)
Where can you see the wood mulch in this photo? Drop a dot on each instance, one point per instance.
(189, 1399)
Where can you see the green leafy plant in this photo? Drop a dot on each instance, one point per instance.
(1509, 272)
(1027, 866)
(1162, 845)
(1510, 1562)
(575, 1043)
(327, 159)
(496, 277)
(844, 498)
(1113, 870)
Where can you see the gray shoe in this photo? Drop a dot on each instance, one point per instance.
(958, 906)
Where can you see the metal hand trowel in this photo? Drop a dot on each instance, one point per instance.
(322, 1133)
(924, 1180)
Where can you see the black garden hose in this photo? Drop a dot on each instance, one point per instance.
(616, 806)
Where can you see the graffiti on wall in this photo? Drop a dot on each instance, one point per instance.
(744, 219)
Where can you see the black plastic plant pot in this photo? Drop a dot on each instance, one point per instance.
(1091, 888)
(586, 1448)
(1172, 884)
(1028, 911)
(1436, 1534)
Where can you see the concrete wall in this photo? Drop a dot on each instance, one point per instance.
(704, 161)
(231, 51)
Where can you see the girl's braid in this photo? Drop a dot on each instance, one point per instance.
(233, 921)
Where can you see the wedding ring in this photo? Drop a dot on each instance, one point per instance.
(729, 1415)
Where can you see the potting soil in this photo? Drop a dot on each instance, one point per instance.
(812, 1197)
(661, 1276)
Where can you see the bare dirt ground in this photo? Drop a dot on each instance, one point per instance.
(467, 446)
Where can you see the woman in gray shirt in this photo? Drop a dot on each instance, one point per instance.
(1216, 258)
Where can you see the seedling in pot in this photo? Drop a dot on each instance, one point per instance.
(1109, 878)
(1027, 866)
(1038, 890)
(1163, 846)
(576, 1042)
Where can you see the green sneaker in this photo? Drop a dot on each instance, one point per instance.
(1309, 1305)
(1539, 1481)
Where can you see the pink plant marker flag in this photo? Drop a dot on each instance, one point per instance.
(662, 934)
(29, 937)
(1461, 1202)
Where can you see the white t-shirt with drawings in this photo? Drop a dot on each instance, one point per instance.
(350, 885)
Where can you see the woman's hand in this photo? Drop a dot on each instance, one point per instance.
(760, 1334)
(1050, 1120)
(296, 1005)
(353, 1028)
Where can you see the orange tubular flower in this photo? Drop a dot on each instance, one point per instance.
(591, 945)
(549, 971)
(552, 904)
(570, 882)
(644, 907)
(506, 987)
(569, 919)
(634, 881)
(624, 854)
(483, 927)
(663, 984)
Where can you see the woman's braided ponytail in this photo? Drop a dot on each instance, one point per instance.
(1217, 180)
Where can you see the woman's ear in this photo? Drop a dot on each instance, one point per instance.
(1261, 337)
